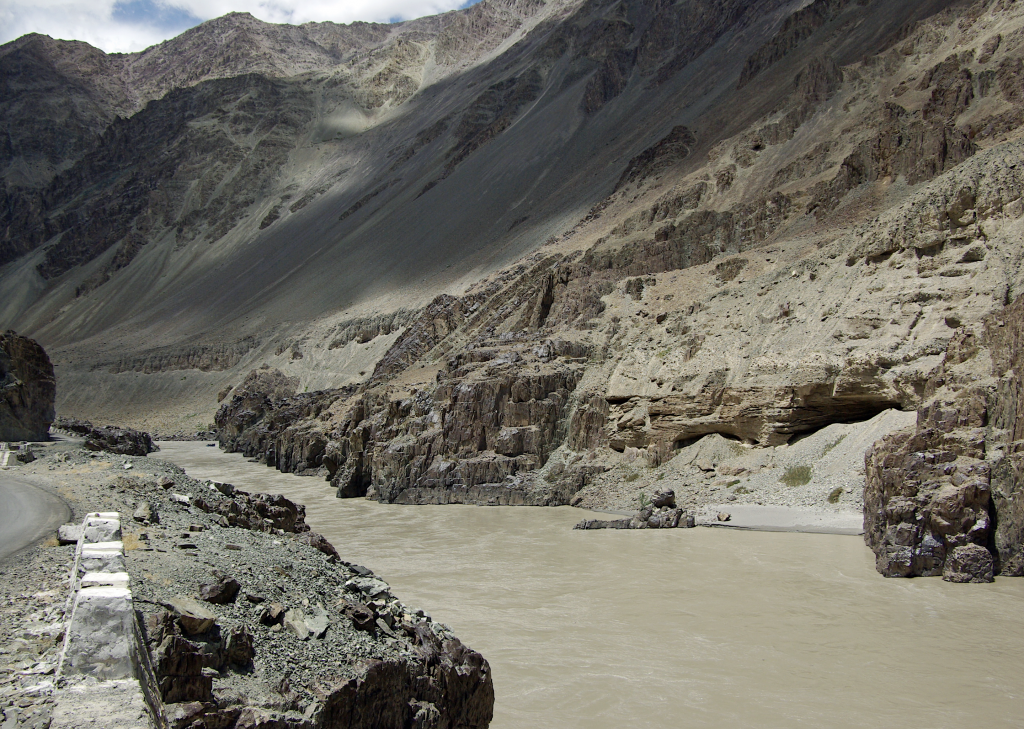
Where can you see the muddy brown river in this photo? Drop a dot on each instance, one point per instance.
(682, 628)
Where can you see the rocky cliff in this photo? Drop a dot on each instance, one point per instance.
(946, 498)
(27, 389)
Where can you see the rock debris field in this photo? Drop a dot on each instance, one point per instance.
(250, 619)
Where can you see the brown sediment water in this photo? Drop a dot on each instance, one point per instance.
(676, 628)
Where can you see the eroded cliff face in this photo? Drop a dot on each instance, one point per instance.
(489, 421)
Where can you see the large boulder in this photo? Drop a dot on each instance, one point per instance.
(27, 389)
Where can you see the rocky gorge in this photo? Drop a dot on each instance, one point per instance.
(554, 253)
(681, 264)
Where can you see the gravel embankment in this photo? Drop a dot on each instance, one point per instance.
(298, 636)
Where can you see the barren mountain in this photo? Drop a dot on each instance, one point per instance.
(529, 252)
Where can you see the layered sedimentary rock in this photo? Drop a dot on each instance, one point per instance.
(27, 389)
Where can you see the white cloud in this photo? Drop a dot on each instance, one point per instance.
(294, 11)
(106, 25)
(89, 21)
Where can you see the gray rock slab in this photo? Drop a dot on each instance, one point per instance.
(295, 621)
(318, 623)
(69, 533)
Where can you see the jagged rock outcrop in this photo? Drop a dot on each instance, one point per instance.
(321, 644)
(272, 383)
(927, 494)
(27, 389)
(948, 498)
(798, 27)
(266, 418)
(449, 686)
(109, 438)
(468, 439)
(916, 150)
(258, 512)
(366, 329)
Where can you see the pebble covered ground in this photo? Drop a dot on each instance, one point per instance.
(32, 595)
(293, 605)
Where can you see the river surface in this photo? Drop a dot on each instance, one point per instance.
(678, 628)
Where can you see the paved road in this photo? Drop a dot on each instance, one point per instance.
(27, 513)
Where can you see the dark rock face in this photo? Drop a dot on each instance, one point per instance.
(450, 686)
(27, 389)
(927, 494)
(257, 420)
(492, 426)
(123, 441)
(919, 150)
(948, 498)
(468, 440)
(798, 27)
(260, 512)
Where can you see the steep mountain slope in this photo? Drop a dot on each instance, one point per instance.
(526, 252)
(329, 179)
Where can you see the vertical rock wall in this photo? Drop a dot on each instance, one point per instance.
(948, 498)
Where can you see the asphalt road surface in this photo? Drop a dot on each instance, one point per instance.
(27, 513)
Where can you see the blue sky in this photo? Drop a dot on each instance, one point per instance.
(131, 25)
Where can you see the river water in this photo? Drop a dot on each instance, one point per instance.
(677, 628)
